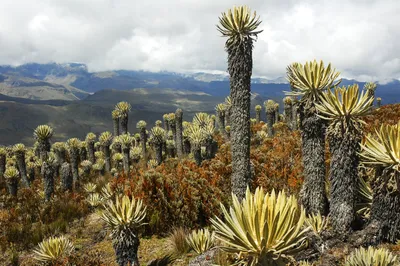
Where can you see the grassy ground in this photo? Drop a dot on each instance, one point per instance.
(89, 236)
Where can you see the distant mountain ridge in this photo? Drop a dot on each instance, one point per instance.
(73, 81)
(75, 101)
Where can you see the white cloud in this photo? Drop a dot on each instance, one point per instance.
(360, 37)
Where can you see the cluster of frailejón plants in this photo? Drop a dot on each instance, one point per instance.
(260, 228)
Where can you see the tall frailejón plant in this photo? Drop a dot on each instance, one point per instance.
(220, 110)
(116, 114)
(73, 149)
(270, 111)
(276, 120)
(240, 27)
(141, 125)
(197, 138)
(383, 152)
(309, 81)
(47, 172)
(43, 134)
(3, 158)
(288, 109)
(258, 109)
(126, 143)
(123, 217)
(158, 138)
(179, 130)
(124, 108)
(106, 139)
(66, 177)
(370, 88)
(344, 108)
(11, 176)
(378, 102)
(263, 229)
(19, 151)
(90, 140)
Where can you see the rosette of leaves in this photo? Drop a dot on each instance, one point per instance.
(201, 240)
(152, 164)
(11, 176)
(371, 256)
(135, 153)
(53, 249)
(118, 158)
(43, 134)
(263, 229)
(196, 137)
(94, 200)
(124, 108)
(158, 123)
(86, 167)
(317, 223)
(364, 198)
(123, 216)
(99, 155)
(90, 188)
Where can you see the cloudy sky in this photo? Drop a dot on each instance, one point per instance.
(360, 37)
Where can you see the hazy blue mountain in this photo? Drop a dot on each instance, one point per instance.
(75, 76)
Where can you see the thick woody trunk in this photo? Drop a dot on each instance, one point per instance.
(221, 123)
(270, 122)
(107, 159)
(124, 124)
(66, 177)
(44, 148)
(196, 150)
(126, 248)
(258, 116)
(228, 112)
(276, 119)
(116, 126)
(179, 130)
(125, 161)
(186, 146)
(288, 114)
(12, 185)
(295, 108)
(22, 168)
(158, 150)
(48, 177)
(240, 64)
(344, 147)
(143, 141)
(2, 165)
(313, 194)
(90, 150)
(74, 164)
(385, 209)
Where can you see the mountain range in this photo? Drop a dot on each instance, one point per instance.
(76, 101)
